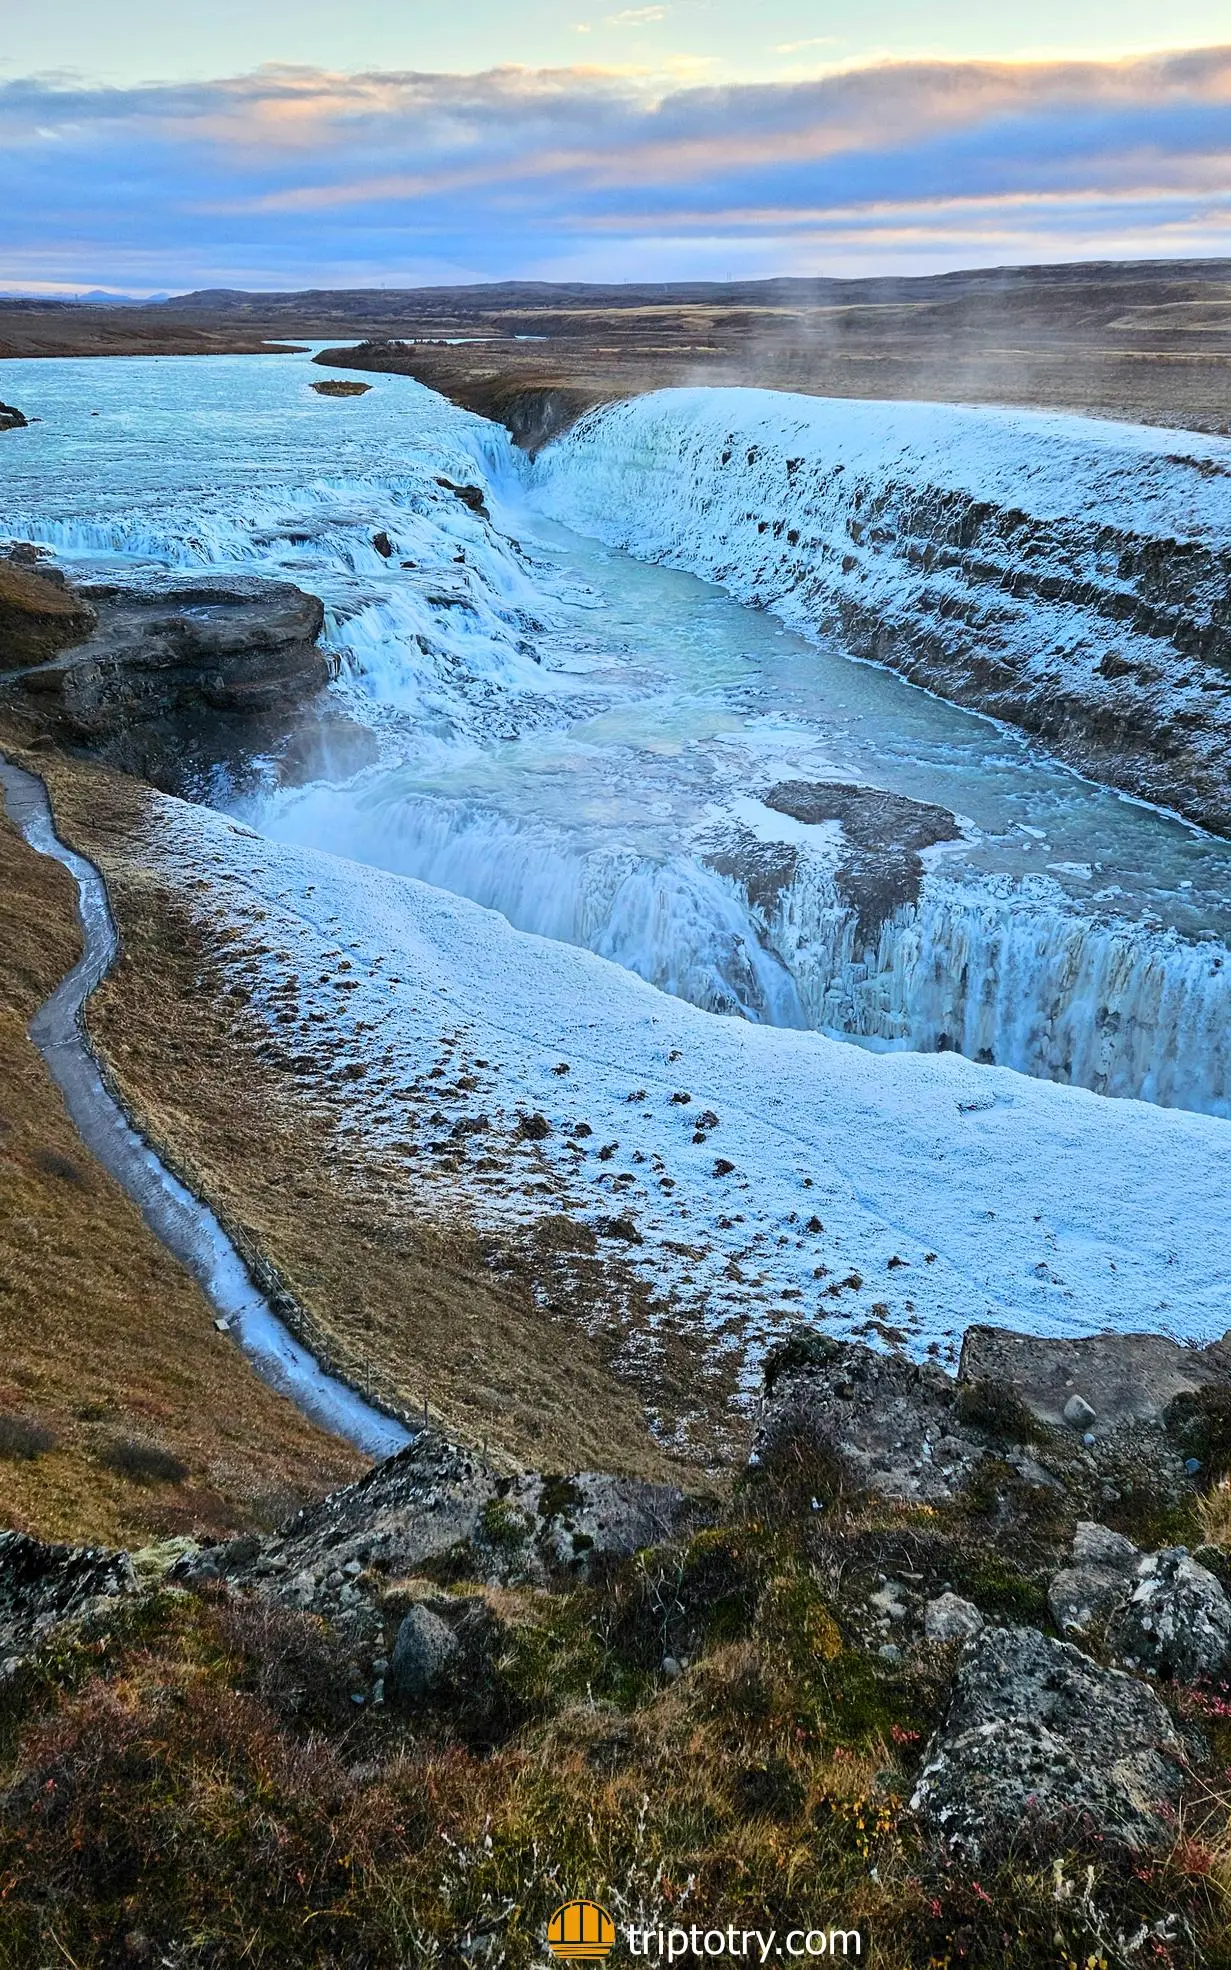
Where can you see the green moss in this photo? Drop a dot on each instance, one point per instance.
(560, 1498)
(501, 1525)
(857, 1700)
(997, 1587)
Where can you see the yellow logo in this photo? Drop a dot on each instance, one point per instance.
(580, 1932)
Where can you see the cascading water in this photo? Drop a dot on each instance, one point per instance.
(586, 743)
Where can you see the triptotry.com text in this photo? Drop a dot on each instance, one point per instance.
(757, 1945)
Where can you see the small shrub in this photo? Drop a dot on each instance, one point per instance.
(998, 1412)
(1201, 1419)
(143, 1463)
(21, 1441)
(802, 1348)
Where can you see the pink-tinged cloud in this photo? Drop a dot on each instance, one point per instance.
(297, 176)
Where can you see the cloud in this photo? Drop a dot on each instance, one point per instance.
(299, 176)
(637, 16)
(813, 41)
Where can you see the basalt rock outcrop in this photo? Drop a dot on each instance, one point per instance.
(12, 419)
(1090, 1418)
(885, 833)
(43, 1585)
(159, 678)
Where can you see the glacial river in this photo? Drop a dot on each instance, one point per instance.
(583, 741)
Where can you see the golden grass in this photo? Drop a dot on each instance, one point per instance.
(102, 1334)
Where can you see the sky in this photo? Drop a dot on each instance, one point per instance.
(289, 143)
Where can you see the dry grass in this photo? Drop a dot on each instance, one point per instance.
(102, 1334)
(1214, 1513)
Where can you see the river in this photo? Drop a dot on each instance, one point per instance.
(584, 741)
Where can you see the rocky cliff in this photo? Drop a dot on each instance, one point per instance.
(159, 677)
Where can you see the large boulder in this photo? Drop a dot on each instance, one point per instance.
(1175, 1622)
(11, 419)
(437, 1501)
(1162, 1612)
(1042, 1745)
(425, 1655)
(43, 1585)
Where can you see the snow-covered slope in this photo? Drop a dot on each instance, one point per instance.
(749, 1175)
(1069, 575)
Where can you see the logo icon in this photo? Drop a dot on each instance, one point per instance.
(580, 1932)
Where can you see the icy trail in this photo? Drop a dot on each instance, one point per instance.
(186, 1226)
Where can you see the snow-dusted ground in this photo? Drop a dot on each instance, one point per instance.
(1066, 573)
(923, 1192)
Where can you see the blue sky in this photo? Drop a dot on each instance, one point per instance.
(293, 142)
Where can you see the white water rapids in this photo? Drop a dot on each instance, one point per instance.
(584, 741)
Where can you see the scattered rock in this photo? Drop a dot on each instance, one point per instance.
(1041, 1744)
(623, 1228)
(533, 1128)
(1079, 1412)
(383, 545)
(951, 1619)
(424, 1655)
